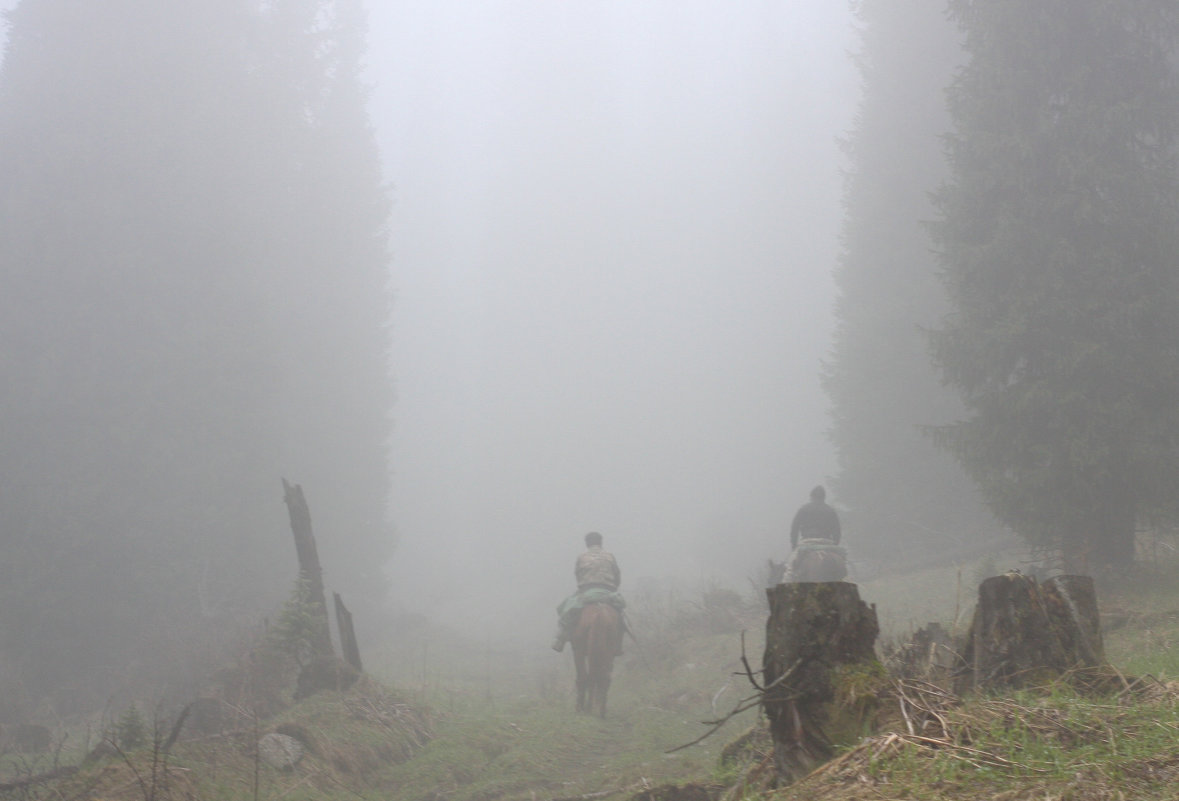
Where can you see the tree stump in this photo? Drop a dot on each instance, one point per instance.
(1024, 633)
(820, 658)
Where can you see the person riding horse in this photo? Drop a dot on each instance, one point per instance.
(815, 520)
(814, 540)
(598, 578)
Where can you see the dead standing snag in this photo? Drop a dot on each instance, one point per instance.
(309, 569)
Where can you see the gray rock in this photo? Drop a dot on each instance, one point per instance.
(280, 751)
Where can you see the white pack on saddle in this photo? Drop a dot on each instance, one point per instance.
(817, 559)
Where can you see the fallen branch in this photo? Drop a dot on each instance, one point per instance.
(928, 699)
(748, 669)
(977, 756)
(742, 705)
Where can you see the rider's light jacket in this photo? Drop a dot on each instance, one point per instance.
(597, 568)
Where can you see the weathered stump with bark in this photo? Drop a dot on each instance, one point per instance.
(820, 658)
(1024, 633)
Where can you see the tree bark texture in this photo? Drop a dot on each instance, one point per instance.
(348, 645)
(816, 632)
(309, 569)
(1024, 633)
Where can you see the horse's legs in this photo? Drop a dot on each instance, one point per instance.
(603, 686)
(594, 703)
(599, 681)
(594, 650)
(583, 688)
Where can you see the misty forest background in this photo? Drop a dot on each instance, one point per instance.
(198, 283)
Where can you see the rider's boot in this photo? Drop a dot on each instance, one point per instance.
(559, 642)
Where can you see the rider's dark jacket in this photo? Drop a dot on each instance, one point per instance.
(815, 520)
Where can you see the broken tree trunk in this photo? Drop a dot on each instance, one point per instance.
(820, 658)
(309, 569)
(1025, 633)
(348, 644)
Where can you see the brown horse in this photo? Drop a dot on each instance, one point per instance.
(597, 639)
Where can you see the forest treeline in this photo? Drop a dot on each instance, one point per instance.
(194, 255)
(194, 262)
(1007, 338)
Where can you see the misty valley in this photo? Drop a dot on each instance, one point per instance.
(536, 401)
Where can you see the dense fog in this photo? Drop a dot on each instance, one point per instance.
(614, 230)
(612, 237)
(481, 278)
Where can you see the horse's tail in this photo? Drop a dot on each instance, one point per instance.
(602, 640)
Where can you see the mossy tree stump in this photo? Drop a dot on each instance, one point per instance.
(1024, 633)
(820, 658)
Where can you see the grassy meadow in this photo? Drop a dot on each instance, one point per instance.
(446, 719)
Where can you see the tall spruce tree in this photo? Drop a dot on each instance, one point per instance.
(192, 245)
(906, 498)
(1058, 237)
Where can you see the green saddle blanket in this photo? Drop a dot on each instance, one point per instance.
(594, 595)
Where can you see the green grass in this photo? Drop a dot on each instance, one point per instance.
(1141, 618)
(520, 738)
(1048, 744)
(503, 727)
(1054, 743)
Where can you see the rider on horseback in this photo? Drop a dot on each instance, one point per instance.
(598, 578)
(815, 520)
(814, 540)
